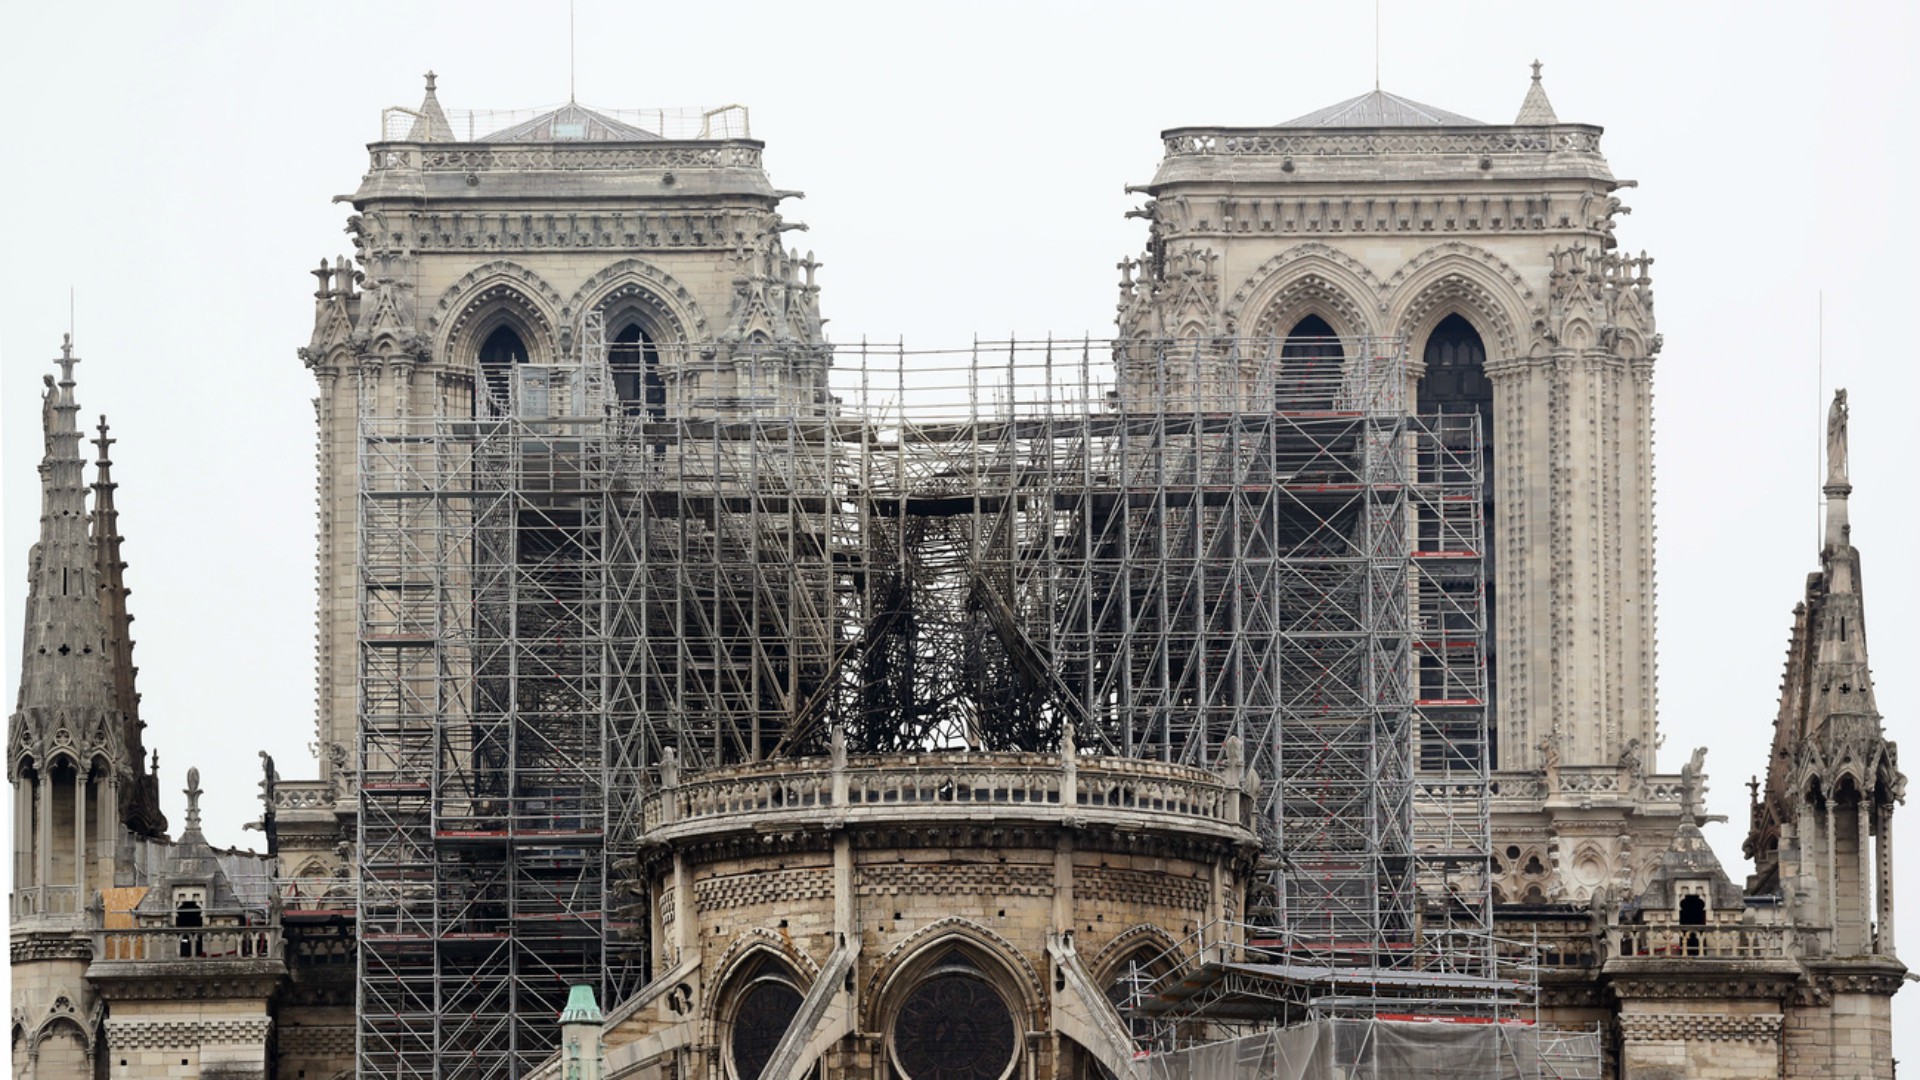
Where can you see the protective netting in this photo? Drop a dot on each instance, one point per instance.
(1363, 1049)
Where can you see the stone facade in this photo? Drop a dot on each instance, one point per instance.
(1045, 878)
(869, 899)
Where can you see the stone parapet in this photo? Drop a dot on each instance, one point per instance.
(1209, 153)
(960, 788)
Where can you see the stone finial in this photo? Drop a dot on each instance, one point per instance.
(431, 77)
(192, 793)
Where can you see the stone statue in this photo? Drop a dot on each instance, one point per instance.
(1631, 759)
(837, 746)
(1837, 440)
(669, 767)
(270, 777)
(1692, 788)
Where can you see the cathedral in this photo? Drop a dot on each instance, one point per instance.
(1266, 690)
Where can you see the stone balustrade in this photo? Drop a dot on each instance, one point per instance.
(1574, 139)
(194, 943)
(934, 786)
(33, 902)
(581, 157)
(302, 795)
(1667, 939)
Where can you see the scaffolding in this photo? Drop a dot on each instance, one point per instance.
(1161, 550)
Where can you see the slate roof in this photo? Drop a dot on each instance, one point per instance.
(571, 123)
(1377, 108)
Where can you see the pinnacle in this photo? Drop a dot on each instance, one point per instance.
(1536, 110)
(430, 121)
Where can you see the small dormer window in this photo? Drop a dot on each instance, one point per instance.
(1693, 910)
(189, 907)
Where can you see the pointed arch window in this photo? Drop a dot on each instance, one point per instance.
(954, 1025)
(634, 361)
(500, 351)
(764, 1007)
(1455, 387)
(1311, 362)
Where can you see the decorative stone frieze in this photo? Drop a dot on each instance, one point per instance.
(1712, 1027)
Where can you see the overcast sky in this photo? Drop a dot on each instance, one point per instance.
(174, 165)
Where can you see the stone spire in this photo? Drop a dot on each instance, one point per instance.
(430, 121)
(1536, 109)
(140, 801)
(1842, 683)
(66, 701)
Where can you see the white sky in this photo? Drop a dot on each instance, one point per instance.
(174, 165)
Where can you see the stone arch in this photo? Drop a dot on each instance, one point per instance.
(57, 1020)
(1106, 963)
(499, 292)
(1309, 292)
(1314, 278)
(1464, 280)
(900, 968)
(755, 957)
(635, 286)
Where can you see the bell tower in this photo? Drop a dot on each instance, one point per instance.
(82, 798)
(1487, 252)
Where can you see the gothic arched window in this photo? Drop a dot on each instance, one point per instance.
(501, 350)
(1311, 361)
(635, 364)
(1453, 388)
(765, 1005)
(954, 1025)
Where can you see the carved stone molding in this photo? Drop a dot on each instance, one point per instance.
(957, 930)
(316, 1040)
(679, 318)
(1695, 1027)
(1691, 981)
(499, 282)
(27, 947)
(188, 980)
(186, 1034)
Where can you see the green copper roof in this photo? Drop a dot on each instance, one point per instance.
(581, 1008)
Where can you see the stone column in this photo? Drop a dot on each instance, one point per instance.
(1883, 867)
(22, 834)
(1833, 877)
(106, 824)
(1863, 874)
(80, 838)
(43, 854)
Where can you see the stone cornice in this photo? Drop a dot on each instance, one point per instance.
(29, 946)
(1872, 976)
(1632, 979)
(187, 980)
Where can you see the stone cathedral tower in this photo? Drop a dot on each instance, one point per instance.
(501, 249)
(1490, 250)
